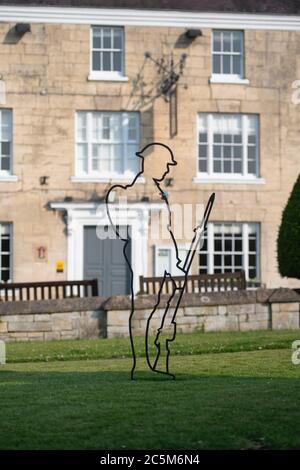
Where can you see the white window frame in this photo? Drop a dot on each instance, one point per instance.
(6, 175)
(10, 231)
(245, 251)
(98, 176)
(112, 75)
(174, 269)
(240, 178)
(228, 77)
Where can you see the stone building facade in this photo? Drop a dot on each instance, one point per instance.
(78, 99)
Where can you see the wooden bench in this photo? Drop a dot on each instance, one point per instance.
(48, 290)
(195, 283)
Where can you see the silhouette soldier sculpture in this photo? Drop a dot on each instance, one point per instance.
(157, 159)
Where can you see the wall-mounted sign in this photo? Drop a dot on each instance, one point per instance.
(60, 266)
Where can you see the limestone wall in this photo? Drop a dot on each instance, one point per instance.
(108, 317)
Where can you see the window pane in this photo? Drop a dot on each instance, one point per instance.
(82, 127)
(238, 261)
(227, 151)
(228, 244)
(203, 151)
(252, 273)
(251, 167)
(106, 61)
(202, 137)
(217, 151)
(252, 244)
(132, 160)
(238, 244)
(203, 165)
(104, 154)
(107, 43)
(217, 260)
(226, 41)
(117, 35)
(5, 260)
(6, 118)
(5, 244)
(237, 139)
(5, 163)
(236, 64)
(217, 41)
(217, 166)
(5, 275)
(227, 166)
(5, 148)
(82, 158)
(117, 59)
(117, 158)
(237, 152)
(226, 64)
(237, 167)
(96, 61)
(218, 244)
(237, 41)
(96, 38)
(216, 63)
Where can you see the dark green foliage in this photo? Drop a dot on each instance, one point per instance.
(288, 242)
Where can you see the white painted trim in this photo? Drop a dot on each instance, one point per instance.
(227, 180)
(152, 206)
(80, 215)
(107, 77)
(8, 178)
(228, 79)
(175, 271)
(134, 17)
(117, 179)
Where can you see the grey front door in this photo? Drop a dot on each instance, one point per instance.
(104, 260)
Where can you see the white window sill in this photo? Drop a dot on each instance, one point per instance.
(228, 180)
(106, 179)
(8, 178)
(230, 79)
(107, 76)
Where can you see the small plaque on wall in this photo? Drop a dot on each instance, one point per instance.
(60, 266)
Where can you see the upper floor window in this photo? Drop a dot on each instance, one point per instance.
(228, 145)
(107, 52)
(5, 142)
(107, 143)
(230, 247)
(228, 54)
(5, 252)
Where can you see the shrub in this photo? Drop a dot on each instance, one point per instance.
(288, 242)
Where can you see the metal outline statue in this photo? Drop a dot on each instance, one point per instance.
(178, 291)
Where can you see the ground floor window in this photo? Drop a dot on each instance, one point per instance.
(230, 247)
(5, 252)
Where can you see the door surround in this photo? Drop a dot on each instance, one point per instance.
(79, 215)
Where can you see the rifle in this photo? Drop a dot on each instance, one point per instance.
(198, 237)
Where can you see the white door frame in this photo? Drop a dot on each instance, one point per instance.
(79, 215)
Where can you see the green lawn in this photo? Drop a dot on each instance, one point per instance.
(233, 390)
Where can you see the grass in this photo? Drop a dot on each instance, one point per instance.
(187, 344)
(233, 390)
